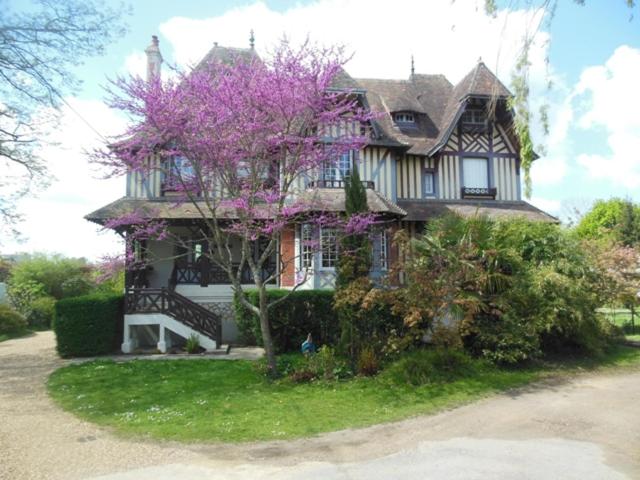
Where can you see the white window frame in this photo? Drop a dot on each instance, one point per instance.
(306, 250)
(328, 253)
(432, 174)
(339, 169)
(383, 254)
(465, 178)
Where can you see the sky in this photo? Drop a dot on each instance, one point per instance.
(592, 150)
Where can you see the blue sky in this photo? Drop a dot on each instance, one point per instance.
(593, 150)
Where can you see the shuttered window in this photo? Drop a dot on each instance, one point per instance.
(476, 172)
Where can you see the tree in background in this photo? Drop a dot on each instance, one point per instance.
(36, 282)
(615, 219)
(248, 128)
(39, 48)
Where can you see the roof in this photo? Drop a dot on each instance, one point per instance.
(437, 102)
(333, 200)
(227, 55)
(167, 208)
(421, 210)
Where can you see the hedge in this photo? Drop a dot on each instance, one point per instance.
(304, 312)
(88, 325)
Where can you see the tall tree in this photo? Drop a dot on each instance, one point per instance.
(355, 251)
(39, 48)
(245, 131)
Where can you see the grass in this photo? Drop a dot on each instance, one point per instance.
(213, 400)
(622, 318)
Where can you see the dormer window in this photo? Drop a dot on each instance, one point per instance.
(474, 117)
(404, 118)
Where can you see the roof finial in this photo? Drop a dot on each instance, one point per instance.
(252, 39)
(413, 67)
(480, 59)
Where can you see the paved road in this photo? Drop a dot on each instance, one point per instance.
(587, 427)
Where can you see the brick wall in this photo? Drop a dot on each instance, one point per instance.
(287, 256)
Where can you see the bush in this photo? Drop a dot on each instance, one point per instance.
(304, 312)
(426, 366)
(88, 325)
(193, 344)
(41, 313)
(11, 322)
(368, 363)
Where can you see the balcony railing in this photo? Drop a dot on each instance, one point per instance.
(337, 184)
(212, 274)
(479, 192)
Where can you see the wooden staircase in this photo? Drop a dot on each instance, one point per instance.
(180, 308)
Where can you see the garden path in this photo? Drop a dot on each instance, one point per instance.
(584, 427)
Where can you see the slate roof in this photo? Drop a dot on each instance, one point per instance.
(421, 210)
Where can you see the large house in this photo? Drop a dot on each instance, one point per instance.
(437, 147)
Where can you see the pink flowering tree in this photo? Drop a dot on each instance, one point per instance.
(244, 132)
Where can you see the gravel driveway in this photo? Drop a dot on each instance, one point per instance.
(587, 427)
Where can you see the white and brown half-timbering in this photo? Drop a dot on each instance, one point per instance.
(435, 147)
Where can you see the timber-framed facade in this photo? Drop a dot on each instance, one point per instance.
(434, 147)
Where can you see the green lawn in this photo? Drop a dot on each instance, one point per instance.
(214, 400)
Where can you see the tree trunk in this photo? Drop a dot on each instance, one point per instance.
(265, 328)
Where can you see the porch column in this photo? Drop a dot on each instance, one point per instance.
(127, 342)
(162, 343)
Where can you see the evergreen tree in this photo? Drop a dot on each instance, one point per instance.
(629, 231)
(355, 249)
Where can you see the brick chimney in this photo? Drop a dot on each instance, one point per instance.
(154, 58)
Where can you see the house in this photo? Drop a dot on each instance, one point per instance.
(437, 147)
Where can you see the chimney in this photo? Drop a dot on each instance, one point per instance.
(154, 58)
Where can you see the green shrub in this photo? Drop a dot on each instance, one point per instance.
(304, 312)
(88, 325)
(368, 363)
(434, 365)
(41, 313)
(11, 322)
(193, 344)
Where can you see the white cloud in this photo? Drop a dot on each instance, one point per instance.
(54, 219)
(444, 37)
(136, 64)
(547, 204)
(605, 102)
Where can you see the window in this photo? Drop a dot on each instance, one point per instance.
(177, 170)
(306, 247)
(181, 168)
(383, 253)
(475, 172)
(404, 117)
(429, 184)
(474, 116)
(338, 169)
(328, 248)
